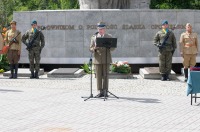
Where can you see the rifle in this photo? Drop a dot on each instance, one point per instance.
(30, 44)
(160, 46)
(6, 47)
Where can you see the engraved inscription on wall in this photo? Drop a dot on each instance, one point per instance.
(110, 26)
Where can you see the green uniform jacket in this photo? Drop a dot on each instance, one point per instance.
(39, 42)
(100, 53)
(170, 43)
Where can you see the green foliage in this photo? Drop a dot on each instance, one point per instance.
(7, 7)
(175, 4)
(4, 64)
(120, 68)
(86, 68)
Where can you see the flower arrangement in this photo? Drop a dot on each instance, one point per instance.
(121, 67)
(3, 33)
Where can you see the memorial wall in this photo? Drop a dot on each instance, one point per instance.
(68, 32)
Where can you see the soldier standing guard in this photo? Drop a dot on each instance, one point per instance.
(14, 49)
(34, 40)
(188, 48)
(1, 43)
(166, 42)
(100, 58)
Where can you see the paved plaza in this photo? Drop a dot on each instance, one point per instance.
(55, 105)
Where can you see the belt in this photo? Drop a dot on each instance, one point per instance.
(188, 45)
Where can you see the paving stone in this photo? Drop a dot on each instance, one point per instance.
(30, 105)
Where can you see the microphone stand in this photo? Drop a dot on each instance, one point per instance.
(91, 95)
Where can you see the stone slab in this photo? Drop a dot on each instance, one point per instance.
(152, 70)
(154, 74)
(67, 73)
(114, 75)
(23, 72)
(63, 71)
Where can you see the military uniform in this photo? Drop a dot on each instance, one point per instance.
(35, 50)
(100, 61)
(1, 43)
(165, 52)
(189, 50)
(14, 51)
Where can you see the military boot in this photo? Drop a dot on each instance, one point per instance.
(186, 74)
(36, 75)
(32, 75)
(11, 71)
(16, 71)
(167, 77)
(163, 78)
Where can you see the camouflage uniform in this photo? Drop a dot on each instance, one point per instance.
(165, 52)
(35, 50)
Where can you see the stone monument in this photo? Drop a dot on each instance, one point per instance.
(68, 32)
(114, 4)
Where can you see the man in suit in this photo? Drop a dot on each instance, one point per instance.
(101, 66)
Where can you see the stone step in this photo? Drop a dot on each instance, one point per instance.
(66, 73)
(114, 75)
(153, 73)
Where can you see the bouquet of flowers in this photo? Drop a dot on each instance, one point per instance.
(3, 33)
(121, 67)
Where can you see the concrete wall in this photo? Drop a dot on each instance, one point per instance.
(68, 33)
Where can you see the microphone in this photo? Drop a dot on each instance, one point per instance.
(96, 33)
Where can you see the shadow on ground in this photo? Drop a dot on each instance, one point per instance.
(6, 90)
(141, 100)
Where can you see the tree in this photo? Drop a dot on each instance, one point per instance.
(8, 6)
(175, 4)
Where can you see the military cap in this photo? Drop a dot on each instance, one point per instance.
(33, 22)
(164, 22)
(101, 25)
(13, 22)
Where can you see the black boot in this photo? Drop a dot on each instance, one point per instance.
(167, 77)
(32, 75)
(163, 78)
(16, 71)
(36, 75)
(11, 71)
(186, 74)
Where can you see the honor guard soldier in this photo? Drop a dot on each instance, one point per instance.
(166, 43)
(188, 48)
(34, 40)
(13, 39)
(1, 44)
(100, 58)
